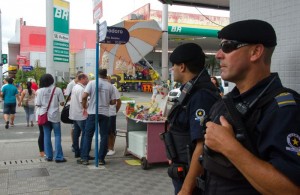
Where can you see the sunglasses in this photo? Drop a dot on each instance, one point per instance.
(229, 46)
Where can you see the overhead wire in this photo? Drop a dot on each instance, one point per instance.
(208, 18)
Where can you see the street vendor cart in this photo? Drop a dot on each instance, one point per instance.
(143, 141)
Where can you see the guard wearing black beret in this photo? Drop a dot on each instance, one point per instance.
(185, 133)
(252, 140)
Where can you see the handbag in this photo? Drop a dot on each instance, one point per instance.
(64, 117)
(25, 102)
(43, 119)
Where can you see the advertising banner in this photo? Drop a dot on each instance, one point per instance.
(61, 14)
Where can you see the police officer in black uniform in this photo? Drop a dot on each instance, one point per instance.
(260, 152)
(187, 116)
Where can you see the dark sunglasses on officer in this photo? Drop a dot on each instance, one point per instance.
(229, 45)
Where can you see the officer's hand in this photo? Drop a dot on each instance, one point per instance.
(219, 137)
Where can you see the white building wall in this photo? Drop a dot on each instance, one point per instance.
(285, 18)
(85, 61)
(38, 57)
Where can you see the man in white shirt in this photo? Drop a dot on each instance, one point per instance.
(106, 97)
(113, 109)
(67, 93)
(77, 113)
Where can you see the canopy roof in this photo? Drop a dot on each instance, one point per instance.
(213, 4)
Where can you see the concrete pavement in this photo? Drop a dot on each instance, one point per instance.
(22, 171)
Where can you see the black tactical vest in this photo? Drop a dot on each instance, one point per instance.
(180, 133)
(216, 164)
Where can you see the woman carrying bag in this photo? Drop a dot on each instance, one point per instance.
(28, 102)
(48, 100)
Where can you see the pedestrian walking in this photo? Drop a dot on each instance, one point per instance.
(27, 100)
(10, 96)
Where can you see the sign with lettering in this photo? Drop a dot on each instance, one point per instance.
(27, 68)
(116, 35)
(102, 31)
(97, 10)
(61, 37)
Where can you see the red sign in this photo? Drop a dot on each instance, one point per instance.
(21, 60)
(97, 11)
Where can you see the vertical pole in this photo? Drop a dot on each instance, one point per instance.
(49, 38)
(96, 91)
(164, 54)
(1, 73)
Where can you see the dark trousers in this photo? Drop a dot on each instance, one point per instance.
(41, 139)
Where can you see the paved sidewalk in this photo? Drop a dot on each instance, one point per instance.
(22, 171)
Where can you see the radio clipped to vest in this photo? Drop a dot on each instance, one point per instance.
(188, 88)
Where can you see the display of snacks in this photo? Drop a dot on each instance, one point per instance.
(145, 112)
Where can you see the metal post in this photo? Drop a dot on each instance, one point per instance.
(1, 73)
(96, 91)
(164, 54)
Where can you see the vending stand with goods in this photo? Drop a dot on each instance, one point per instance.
(145, 123)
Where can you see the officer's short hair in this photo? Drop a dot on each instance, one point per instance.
(191, 55)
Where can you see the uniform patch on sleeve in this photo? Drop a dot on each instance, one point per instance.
(200, 116)
(285, 99)
(293, 140)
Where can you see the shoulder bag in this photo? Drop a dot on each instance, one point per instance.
(43, 119)
(64, 117)
(25, 100)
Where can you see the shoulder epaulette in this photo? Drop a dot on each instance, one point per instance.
(285, 99)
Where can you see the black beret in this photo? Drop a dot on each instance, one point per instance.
(186, 53)
(250, 31)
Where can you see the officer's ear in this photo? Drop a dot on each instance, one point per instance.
(182, 67)
(256, 52)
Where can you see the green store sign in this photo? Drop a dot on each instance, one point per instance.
(180, 30)
(61, 16)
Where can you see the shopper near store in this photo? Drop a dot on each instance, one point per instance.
(27, 100)
(10, 96)
(106, 97)
(112, 124)
(258, 154)
(77, 113)
(67, 93)
(186, 118)
(43, 99)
